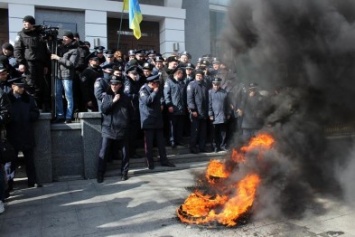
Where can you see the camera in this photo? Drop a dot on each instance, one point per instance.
(48, 32)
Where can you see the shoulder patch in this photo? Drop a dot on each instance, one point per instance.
(166, 85)
(188, 87)
(142, 94)
(17, 38)
(97, 84)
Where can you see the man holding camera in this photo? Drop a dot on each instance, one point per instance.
(33, 57)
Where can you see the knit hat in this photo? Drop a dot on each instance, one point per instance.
(68, 34)
(29, 19)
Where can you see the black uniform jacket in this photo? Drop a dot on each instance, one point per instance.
(24, 112)
(175, 95)
(115, 116)
(219, 106)
(197, 98)
(150, 108)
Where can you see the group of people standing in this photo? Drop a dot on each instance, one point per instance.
(163, 98)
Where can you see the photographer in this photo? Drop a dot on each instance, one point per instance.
(33, 57)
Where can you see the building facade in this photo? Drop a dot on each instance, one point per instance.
(169, 26)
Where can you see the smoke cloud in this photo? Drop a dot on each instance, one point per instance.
(306, 48)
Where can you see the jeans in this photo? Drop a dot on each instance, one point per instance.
(66, 85)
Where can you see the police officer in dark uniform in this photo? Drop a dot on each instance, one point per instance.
(102, 84)
(251, 111)
(147, 72)
(5, 85)
(175, 102)
(99, 52)
(219, 112)
(184, 59)
(20, 130)
(108, 64)
(132, 85)
(189, 73)
(115, 123)
(197, 103)
(33, 56)
(150, 108)
(87, 81)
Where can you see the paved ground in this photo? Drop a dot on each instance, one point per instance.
(145, 206)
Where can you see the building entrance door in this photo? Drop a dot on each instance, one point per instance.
(149, 39)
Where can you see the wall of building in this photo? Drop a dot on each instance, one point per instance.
(93, 28)
(197, 28)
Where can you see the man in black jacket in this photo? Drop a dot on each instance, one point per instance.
(20, 133)
(115, 121)
(150, 108)
(32, 55)
(197, 103)
(175, 101)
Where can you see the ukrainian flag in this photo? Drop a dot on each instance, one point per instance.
(135, 16)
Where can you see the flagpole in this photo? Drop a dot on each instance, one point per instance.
(119, 30)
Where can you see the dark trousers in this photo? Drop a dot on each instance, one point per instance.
(149, 135)
(176, 128)
(112, 147)
(134, 129)
(37, 82)
(198, 133)
(29, 164)
(219, 136)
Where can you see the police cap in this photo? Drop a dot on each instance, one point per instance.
(153, 78)
(152, 53)
(115, 80)
(172, 58)
(18, 81)
(216, 61)
(131, 52)
(132, 69)
(147, 66)
(216, 80)
(99, 49)
(109, 53)
(187, 54)
(189, 66)
(159, 59)
(92, 56)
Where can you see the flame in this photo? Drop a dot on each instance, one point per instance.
(225, 199)
(216, 169)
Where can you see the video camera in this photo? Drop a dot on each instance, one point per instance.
(48, 32)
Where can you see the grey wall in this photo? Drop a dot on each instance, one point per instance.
(197, 28)
(68, 18)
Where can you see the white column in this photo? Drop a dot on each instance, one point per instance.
(172, 36)
(16, 14)
(96, 28)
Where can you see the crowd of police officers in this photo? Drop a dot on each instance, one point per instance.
(166, 99)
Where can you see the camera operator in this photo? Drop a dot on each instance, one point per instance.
(33, 57)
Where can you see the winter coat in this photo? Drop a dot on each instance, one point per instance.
(115, 116)
(24, 112)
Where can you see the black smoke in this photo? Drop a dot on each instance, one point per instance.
(304, 50)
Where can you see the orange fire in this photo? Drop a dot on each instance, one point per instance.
(225, 200)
